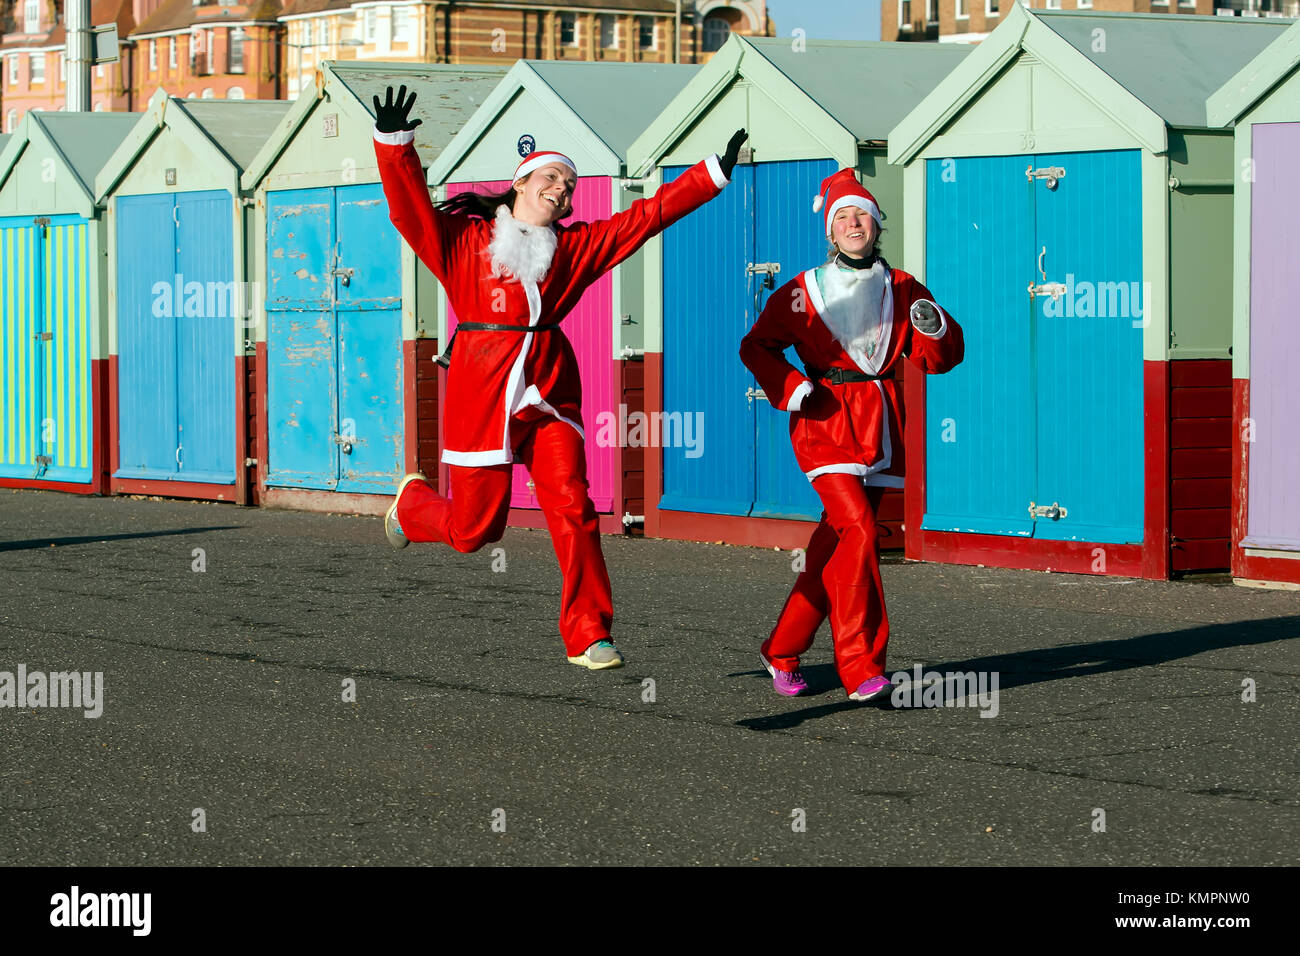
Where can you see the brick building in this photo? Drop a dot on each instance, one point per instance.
(33, 56)
(971, 20)
(209, 49)
(433, 31)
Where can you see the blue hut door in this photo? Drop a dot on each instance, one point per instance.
(1046, 409)
(334, 344)
(715, 267)
(177, 296)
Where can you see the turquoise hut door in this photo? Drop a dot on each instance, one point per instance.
(334, 342)
(1039, 431)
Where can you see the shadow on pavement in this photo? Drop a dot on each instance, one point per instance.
(98, 538)
(1055, 663)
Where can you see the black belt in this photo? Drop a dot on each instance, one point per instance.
(445, 358)
(838, 376)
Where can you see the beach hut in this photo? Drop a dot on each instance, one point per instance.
(1068, 199)
(346, 393)
(811, 107)
(53, 329)
(1262, 104)
(180, 329)
(581, 110)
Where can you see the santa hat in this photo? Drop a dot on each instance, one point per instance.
(540, 158)
(843, 189)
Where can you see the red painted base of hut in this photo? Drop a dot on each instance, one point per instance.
(99, 396)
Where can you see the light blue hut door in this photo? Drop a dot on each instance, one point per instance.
(1039, 431)
(334, 344)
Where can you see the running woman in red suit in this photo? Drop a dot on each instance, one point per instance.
(851, 321)
(513, 393)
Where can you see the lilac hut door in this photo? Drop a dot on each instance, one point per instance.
(590, 328)
(1273, 516)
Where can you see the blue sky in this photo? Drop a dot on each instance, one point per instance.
(827, 19)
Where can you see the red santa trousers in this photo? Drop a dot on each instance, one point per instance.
(841, 577)
(552, 451)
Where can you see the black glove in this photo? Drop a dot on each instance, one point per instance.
(391, 117)
(728, 160)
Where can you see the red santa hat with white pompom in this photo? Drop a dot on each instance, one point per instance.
(843, 189)
(539, 158)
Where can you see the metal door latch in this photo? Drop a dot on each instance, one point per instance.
(752, 393)
(1054, 289)
(770, 271)
(344, 274)
(344, 442)
(43, 336)
(1053, 174)
(1053, 511)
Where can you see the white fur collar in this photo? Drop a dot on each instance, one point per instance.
(854, 300)
(519, 249)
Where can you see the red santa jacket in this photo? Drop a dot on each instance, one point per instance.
(856, 427)
(494, 374)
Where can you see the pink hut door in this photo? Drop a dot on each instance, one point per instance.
(1274, 491)
(589, 327)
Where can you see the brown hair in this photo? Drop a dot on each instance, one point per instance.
(484, 205)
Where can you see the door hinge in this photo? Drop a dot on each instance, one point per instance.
(44, 461)
(1053, 511)
(41, 220)
(752, 393)
(43, 336)
(1053, 174)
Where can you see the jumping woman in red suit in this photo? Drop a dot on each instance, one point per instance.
(851, 321)
(513, 391)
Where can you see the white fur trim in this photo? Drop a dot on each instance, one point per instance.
(845, 468)
(714, 166)
(943, 320)
(844, 201)
(520, 250)
(529, 165)
(400, 138)
(818, 201)
(476, 459)
(802, 391)
(857, 309)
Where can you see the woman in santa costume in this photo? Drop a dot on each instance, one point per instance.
(851, 321)
(513, 393)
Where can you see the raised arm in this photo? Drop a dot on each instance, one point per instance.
(430, 233)
(763, 349)
(596, 247)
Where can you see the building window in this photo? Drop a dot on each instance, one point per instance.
(99, 107)
(194, 52)
(153, 56)
(207, 93)
(11, 121)
(32, 16)
(171, 52)
(931, 11)
(37, 67)
(608, 31)
(646, 33)
(568, 29)
(322, 32)
(236, 50)
(401, 24)
(716, 31)
(63, 67)
(990, 8)
(99, 72)
(963, 12)
(369, 20)
(13, 69)
(1085, 4)
(1053, 4)
(235, 93)
(904, 14)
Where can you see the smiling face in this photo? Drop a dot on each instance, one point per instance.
(545, 194)
(854, 231)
